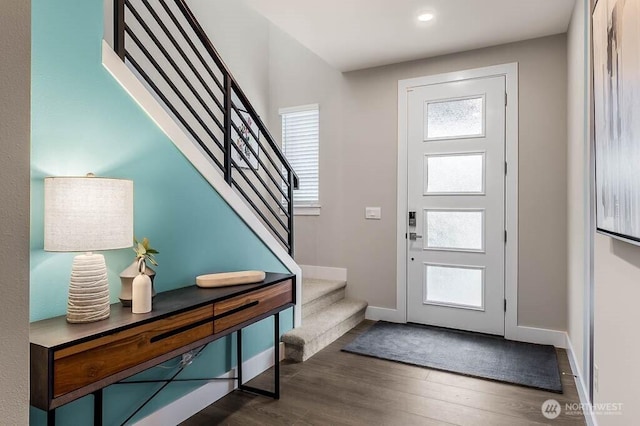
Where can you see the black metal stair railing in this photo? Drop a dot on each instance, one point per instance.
(162, 42)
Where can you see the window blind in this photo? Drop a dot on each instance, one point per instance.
(300, 142)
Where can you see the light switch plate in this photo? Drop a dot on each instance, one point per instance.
(374, 213)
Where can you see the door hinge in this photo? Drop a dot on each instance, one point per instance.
(505, 305)
(505, 98)
(505, 168)
(505, 236)
(405, 235)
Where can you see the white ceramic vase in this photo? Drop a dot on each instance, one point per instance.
(141, 291)
(126, 279)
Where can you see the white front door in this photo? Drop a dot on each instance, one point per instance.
(456, 196)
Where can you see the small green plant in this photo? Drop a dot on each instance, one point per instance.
(145, 251)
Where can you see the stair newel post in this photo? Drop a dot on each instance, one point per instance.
(118, 28)
(290, 178)
(228, 110)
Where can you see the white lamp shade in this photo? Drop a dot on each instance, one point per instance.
(87, 213)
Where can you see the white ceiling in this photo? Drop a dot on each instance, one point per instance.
(356, 34)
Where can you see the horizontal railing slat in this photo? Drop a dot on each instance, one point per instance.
(186, 37)
(172, 85)
(173, 110)
(168, 57)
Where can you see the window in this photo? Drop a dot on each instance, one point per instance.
(455, 118)
(300, 144)
(458, 173)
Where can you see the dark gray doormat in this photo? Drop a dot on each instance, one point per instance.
(471, 354)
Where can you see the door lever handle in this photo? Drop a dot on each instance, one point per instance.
(413, 236)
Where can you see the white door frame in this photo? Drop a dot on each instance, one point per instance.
(510, 71)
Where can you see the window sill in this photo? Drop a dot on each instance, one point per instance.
(304, 211)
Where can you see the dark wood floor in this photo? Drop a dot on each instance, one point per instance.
(339, 388)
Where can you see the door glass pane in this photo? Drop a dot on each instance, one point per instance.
(454, 230)
(454, 174)
(450, 285)
(455, 118)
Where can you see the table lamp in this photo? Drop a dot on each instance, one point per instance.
(86, 214)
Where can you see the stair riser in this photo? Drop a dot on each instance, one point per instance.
(319, 304)
(299, 354)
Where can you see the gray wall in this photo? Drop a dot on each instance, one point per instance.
(577, 183)
(617, 347)
(15, 82)
(616, 265)
(241, 36)
(358, 166)
(299, 77)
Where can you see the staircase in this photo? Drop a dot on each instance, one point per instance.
(164, 59)
(163, 44)
(326, 314)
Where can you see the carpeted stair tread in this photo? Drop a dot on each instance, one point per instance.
(318, 324)
(319, 294)
(313, 289)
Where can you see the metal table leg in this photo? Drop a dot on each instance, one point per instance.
(51, 417)
(97, 408)
(276, 346)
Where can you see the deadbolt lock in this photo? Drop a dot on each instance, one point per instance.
(412, 218)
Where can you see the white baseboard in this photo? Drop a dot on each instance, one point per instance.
(540, 336)
(375, 313)
(183, 408)
(589, 415)
(520, 333)
(324, 273)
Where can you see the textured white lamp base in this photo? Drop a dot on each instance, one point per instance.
(88, 289)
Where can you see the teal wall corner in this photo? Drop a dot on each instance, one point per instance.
(83, 121)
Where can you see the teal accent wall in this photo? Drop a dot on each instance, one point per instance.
(83, 121)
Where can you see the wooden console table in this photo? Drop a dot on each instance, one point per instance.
(69, 361)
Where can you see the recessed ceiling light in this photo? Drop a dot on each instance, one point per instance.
(425, 17)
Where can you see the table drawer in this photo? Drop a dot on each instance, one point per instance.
(239, 309)
(89, 362)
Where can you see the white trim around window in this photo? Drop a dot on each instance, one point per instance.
(301, 146)
(306, 210)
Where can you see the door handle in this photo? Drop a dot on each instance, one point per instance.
(413, 236)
